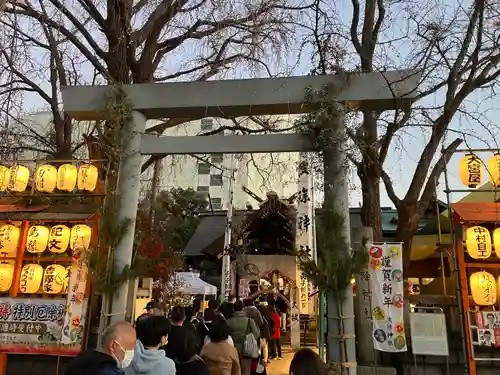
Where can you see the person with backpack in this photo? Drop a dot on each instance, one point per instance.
(241, 329)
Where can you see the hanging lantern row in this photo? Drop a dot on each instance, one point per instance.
(471, 170)
(48, 178)
(479, 242)
(56, 239)
(54, 279)
(484, 288)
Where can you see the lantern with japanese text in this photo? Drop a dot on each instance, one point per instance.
(496, 241)
(494, 169)
(80, 237)
(478, 242)
(38, 238)
(471, 170)
(54, 279)
(31, 278)
(4, 178)
(19, 177)
(483, 288)
(59, 238)
(88, 176)
(46, 178)
(66, 177)
(6, 276)
(9, 240)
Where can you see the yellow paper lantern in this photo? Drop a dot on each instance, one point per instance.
(471, 170)
(38, 238)
(66, 177)
(31, 278)
(483, 288)
(88, 175)
(494, 169)
(19, 178)
(4, 178)
(59, 238)
(6, 276)
(54, 279)
(80, 237)
(478, 242)
(9, 240)
(46, 178)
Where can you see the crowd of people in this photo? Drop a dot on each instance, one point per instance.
(236, 338)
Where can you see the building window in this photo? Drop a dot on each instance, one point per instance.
(202, 189)
(216, 180)
(206, 124)
(217, 203)
(203, 168)
(217, 158)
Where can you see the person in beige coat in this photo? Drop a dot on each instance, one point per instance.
(219, 354)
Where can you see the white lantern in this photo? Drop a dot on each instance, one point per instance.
(6, 276)
(31, 278)
(88, 175)
(80, 238)
(46, 178)
(66, 177)
(59, 239)
(9, 240)
(54, 279)
(19, 178)
(38, 237)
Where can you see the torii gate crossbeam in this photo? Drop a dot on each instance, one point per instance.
(230, 98)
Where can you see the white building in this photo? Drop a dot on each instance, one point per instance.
(210, 173)
(260, 173)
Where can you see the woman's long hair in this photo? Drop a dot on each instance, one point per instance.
(307, 362)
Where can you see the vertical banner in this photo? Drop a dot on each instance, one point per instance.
(387, 297)
(74, 321)
(304, 235)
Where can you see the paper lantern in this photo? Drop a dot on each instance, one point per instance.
(46, 178)
(19, 177)
(59, 238)
(80, 238)
(471, 170)
(4, 178)
(478, 242)
(54, 279)
(6, 276)
(9, 240)
(483, 288)
(31, 278)
(66, 177)
(494, 169)
(38, 238)
(88, 175)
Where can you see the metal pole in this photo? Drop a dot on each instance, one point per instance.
(129, 182)
(456, 274)
(322, 324)
(226, 258)
(341, 327)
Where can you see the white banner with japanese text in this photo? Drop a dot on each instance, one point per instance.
(74, 321)
(387, 296)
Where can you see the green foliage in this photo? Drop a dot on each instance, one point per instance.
(176, 213)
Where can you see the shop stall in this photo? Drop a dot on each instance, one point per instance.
(477, 239)
(44, 282)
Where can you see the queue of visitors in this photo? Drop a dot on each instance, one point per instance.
(232, 339)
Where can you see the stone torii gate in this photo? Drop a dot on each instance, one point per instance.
(231, 98)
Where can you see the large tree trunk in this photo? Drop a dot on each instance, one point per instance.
(408, 220)
(370, 209)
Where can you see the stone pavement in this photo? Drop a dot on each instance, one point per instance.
(281, 366)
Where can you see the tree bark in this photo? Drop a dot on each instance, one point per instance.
(370, 209)
(408, 220)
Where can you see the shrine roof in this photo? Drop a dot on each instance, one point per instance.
(477, 212)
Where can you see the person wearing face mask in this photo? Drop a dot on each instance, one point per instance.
(117, 351)
(152, 333)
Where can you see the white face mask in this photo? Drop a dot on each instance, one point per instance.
(128, 355)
